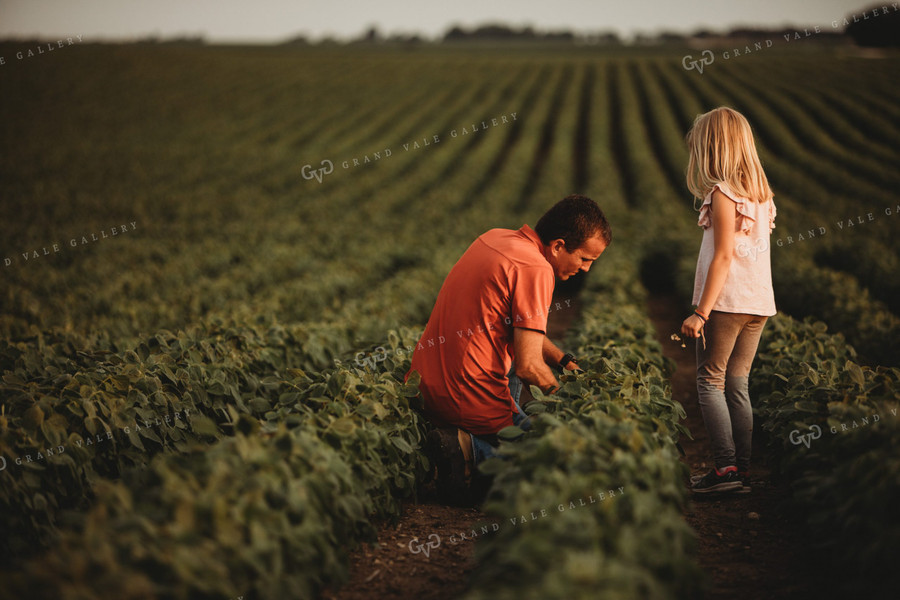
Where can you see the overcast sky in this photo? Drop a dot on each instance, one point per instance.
(276, 20)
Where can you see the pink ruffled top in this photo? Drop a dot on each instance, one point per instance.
(748, 287)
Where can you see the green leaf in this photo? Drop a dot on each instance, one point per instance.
(402, 444)
(511, 433)
(343, 426)
(33, 417)
(856, 374)
(812, 375)
(203, 425)
(493, 466)
(288, 397)
(135, 439)
(93, 425)
(409, 391)
(535, 408)
(366, 410)
(259, 405)
(414, 379)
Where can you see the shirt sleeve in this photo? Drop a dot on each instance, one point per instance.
(531, 297)
(745, 214)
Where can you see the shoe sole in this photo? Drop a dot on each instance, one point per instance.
(728, 486)
(745, 488)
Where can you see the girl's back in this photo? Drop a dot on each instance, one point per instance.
(748, 287)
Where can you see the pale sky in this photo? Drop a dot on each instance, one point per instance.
(277, 20)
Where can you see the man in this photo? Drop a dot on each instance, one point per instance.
(491, 313)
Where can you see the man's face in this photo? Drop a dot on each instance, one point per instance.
(565, 263)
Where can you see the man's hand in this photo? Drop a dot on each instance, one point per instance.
(531, 366)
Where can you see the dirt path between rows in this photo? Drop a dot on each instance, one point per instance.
(403, 565)
(749, 547)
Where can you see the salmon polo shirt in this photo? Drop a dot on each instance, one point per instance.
(502, 281)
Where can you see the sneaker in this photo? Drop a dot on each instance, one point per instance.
(717, 481)
(744, 476)
(443, 450)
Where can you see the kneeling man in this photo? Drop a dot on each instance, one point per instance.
(491, 313)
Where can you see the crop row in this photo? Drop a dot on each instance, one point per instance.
(838, 107)
(71, 416)
(842, 303)
(185, 260)
(270, 510)
(589, 503)
(833, 432)
(802, 287)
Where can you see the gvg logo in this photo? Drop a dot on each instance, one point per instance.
(690, 63)
(425, 548)
(744, 249)
(326, 169)
(371, 360)
(815, 432)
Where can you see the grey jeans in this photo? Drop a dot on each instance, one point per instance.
(722, 372)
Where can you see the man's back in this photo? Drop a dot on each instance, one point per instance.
(503, 280)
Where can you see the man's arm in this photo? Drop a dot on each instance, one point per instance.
(552, 355)
(530, 364)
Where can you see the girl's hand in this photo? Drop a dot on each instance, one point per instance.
(692, 326)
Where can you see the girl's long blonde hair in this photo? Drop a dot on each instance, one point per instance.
(722, 151)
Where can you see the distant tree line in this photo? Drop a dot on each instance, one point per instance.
(499, 33)
(879, 30)
(495, 32)
(872, 27)
(876, 26)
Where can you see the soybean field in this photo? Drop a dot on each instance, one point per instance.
(218, 259)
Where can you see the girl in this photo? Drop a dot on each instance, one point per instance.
(732, 286)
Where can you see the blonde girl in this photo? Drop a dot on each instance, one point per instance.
(732, 286)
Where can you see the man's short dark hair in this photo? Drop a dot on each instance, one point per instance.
(574, 219)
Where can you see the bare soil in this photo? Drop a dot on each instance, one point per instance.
(403, 566)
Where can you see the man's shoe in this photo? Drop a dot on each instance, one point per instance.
(443, 450)
(718, 481)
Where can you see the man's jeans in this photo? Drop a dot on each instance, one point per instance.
(482, 446)
(722, 371)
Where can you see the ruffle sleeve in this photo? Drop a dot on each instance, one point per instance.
(772, 212)
(745, 212)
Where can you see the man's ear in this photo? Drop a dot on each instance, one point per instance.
(557, 246)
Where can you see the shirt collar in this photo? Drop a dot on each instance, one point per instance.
(532, 235)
